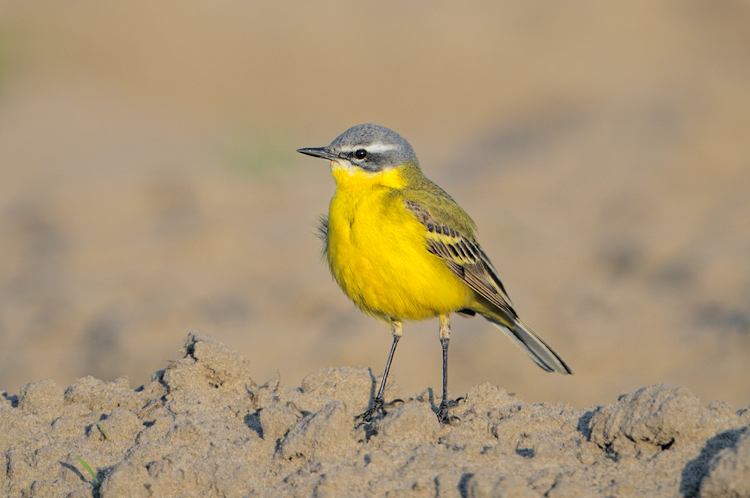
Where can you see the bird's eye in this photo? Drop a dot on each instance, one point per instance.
(360, 153)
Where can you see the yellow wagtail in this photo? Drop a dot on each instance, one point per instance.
(402, 249)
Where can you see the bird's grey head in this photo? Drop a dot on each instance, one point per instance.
(370, 147)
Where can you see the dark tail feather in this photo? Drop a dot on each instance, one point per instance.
(525, 338)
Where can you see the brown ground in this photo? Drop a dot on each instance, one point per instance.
(203, 428)
(148, 185)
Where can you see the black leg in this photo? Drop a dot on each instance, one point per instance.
(377, 405)
(445, 337)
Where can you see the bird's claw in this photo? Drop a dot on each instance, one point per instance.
(378, 406)
(442, 413)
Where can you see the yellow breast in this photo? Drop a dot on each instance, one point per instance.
(377, 252)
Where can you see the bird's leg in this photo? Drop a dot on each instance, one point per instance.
(445, 337)
(378, 402)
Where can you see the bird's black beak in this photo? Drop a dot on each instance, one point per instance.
(323, 152)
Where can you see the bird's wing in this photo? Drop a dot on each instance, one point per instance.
(467, 261)
(464, 257)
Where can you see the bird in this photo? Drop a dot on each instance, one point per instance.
(402, 249)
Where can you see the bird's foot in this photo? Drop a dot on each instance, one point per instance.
(378, 406)
(442, 414)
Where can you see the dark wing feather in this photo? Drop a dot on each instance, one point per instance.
(467, 261)
(465, 258)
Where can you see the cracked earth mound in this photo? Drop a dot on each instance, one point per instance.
(203, 428)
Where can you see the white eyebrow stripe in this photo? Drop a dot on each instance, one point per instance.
(379, 147)
(372, 148)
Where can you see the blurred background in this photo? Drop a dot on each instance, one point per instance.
(149, 185)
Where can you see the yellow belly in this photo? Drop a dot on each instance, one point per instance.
(377, 253)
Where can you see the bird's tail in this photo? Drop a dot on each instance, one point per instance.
(525, 338)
